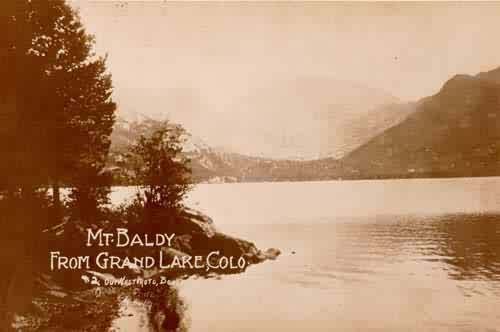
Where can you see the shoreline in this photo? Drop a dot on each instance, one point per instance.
(57, 303)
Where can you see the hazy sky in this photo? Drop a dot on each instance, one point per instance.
(206, 55)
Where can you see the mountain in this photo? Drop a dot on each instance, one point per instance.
(215, 165)
(206, 163)
(363, 128)
(455, 132)
(324, 119)
(287, 116)
(492, 75)
(305, 117)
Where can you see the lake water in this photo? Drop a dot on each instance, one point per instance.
(395, 255)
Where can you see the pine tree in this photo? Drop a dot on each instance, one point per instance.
(56, 117)
(63, 109)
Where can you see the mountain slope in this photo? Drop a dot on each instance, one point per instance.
(213, 165)
(365, 127)
(304, 117)
(453, 133)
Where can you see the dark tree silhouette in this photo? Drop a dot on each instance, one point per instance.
(161, 169)
(62, 109)
(57, 115)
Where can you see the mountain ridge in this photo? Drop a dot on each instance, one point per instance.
(455, 132)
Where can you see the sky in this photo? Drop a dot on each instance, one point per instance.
(203, 57)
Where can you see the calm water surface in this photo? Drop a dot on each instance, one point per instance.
(397, 255)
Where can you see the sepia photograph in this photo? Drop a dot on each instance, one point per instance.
(227, 166)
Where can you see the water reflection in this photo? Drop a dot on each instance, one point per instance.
(374, 256)
(471, 245)
(397, 272)
(468, 245)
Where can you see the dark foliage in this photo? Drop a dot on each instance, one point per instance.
(162, 170)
